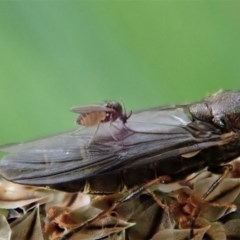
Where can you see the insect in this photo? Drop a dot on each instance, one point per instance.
(172, 141)
(94, 114)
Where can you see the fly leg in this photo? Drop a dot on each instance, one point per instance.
(112, 131)
(92, 137)
(94, 134)
(119, 130)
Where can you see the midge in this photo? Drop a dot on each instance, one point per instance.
(172, 141)
(95, 114)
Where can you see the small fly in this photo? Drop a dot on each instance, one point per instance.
(92, 115)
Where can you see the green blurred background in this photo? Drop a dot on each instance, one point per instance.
(58, 54)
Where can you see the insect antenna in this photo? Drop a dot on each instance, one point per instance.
(124, 116)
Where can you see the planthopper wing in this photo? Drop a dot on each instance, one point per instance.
(148, 137)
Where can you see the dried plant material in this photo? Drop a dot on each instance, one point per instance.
(215, 230)
(221, 200)
(180, 234)
(63, 216)
(124, 210)
(15, 195)
(116, 236)
(185, 212)
(221, 192)
(28, 227)
(232, 228)
(179, 212)
(68, 200)
(5, 230)
(59, 220)
(145, 224)
(235, 172)
(102, 228)
(62, 220)
(3, 212)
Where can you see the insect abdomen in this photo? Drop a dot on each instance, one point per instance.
(91, 119)
(116, 181)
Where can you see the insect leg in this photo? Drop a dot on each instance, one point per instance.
(110, 129)
(226, 169)
(118, 128)
(138, 190)
(94, 135)
(157, 200)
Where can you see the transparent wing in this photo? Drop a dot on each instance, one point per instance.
(147, 137)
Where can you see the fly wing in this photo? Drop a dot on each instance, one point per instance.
(90, 109)
(147, 137)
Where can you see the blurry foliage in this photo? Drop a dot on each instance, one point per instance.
(55, 55)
